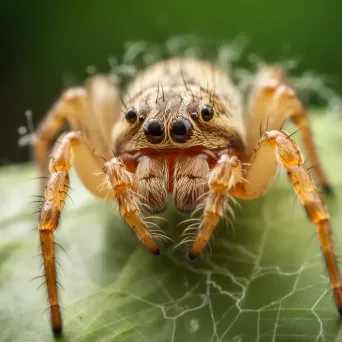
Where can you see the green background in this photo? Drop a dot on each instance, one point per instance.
(48, 44)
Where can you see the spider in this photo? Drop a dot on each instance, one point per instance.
(179, 129)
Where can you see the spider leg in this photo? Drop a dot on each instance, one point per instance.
(223, 177)
(91, 110)
(54, 196)
(277, 147)
(120, 186)
(271, 102)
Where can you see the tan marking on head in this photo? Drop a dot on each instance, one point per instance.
(221, 131)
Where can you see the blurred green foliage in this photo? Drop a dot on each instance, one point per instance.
(47, 43)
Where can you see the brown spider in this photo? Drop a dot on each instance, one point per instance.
(182, 132)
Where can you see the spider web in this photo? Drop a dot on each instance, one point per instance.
(265, 279)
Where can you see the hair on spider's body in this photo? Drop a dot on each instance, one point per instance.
(178, 129)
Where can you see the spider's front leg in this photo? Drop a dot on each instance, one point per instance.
(56, 190)
(120, 187)
(277, 147)
(90, 111)
(222, 178)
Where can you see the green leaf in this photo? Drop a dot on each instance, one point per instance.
(264, 280)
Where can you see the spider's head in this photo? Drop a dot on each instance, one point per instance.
(177, 118)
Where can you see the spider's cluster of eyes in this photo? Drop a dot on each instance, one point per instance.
(180, 128)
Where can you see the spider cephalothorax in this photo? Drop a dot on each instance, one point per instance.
(179, 130)
(179, 112)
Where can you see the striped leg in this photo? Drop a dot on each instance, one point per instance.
(277, 147)
(224, 176)
(271, 102)
(120, 186)
(56, 190)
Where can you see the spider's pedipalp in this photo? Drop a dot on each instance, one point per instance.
(224, 176)
(120, 181)
(278, 147)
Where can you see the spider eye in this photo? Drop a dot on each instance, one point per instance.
(194, 116)
(131, 115)
(207, 113)
(154, 131)
(180, 129)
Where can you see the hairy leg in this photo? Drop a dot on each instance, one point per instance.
(91, 110)
(56, 190)
(271, 102)
(277, 147)
(120, 186)
(223, 177)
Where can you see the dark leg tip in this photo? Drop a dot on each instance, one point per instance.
(339, 311)
(156, 251)
(328, 190)
(57, 332)
(192, 256)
